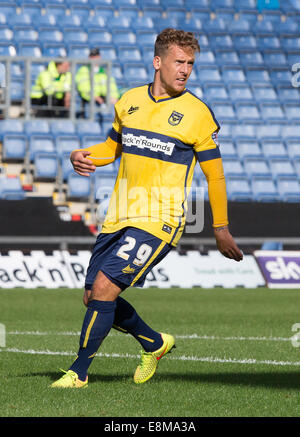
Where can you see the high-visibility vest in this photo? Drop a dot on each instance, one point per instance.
(83, 84)
(51, 83)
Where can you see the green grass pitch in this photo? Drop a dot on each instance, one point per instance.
(234, 355)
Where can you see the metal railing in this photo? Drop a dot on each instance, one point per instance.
(27, 79)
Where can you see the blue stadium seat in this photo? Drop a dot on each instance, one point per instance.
(249, 149)
(146, 38)
(264, 189)
(96, 35)
(224, 112)
(41, 144)
(289, 189)
(281, 76)
(272, 112)
(240, 93)
(142, 23)
(293, 148)
(88, 128)
(203, 41)
(207, 58)
(238, 189)
(269, 131)
(274, 58)
(104, 186)
(25, 34)
(154, 12)
(215, 93)
(83, 12)
(241, 42)
(11, 188)
(297, 166)
(268, 42)
(192, 24)
(239, 26)
(39, 127)
(14, 147)
(108, 53)
(262, 27)
(124, 37)
(78, 187)
(228, 149)
(129, 55)
(256, 167)
(91, 140)
(17, 90)
(214, 26)
(131, 12)
(32, 50)
(10, 126)
(45, 166)
(225, 57)
(233, 75)
(23, 20)
(197, 91)
(257, 76)
(179, 13)
(245, 131)
(135, 72)
(78, 51)
(6, 34)
(221, 41)
(54, 50)
(233, 167)
(62, 127)
(118, 23)
(274, 149)
(281, 167)
(163, 23)
(225, 132)
(247, 112)
(7, 49)
(208, 75)
(288, 94)
(292, 112)
(75, 36)
(58, 10)
(66, 144)
(290, 43)
(96, 22)
(45, 20)
(66, 166)
(290, 132)
(50, 35)
(251, 58)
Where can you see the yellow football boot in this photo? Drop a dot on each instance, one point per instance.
(149, 360)
(69, 380)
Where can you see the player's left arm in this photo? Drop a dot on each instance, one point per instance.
(211, 164)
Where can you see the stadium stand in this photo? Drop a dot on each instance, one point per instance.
(244, 73)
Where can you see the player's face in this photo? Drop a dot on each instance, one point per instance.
(173, 69)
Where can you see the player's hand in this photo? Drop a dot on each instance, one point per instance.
(226, 244)
(86, 297)
(81, 164)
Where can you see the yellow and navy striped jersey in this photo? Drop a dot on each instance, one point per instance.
(160, 141)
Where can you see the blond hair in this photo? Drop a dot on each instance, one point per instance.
(169, 37)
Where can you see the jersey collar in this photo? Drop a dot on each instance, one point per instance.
(163, 99)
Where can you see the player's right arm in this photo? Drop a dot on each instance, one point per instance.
(86, 160)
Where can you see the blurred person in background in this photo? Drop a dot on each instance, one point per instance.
(52, 90)
(83, 82)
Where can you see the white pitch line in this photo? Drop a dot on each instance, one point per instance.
(179, 358)
(187, 336)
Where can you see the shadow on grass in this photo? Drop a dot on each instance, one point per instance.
(273, 380)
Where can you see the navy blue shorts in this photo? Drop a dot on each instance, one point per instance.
(125, 257)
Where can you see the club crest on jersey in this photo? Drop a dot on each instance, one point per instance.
(175, 118)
